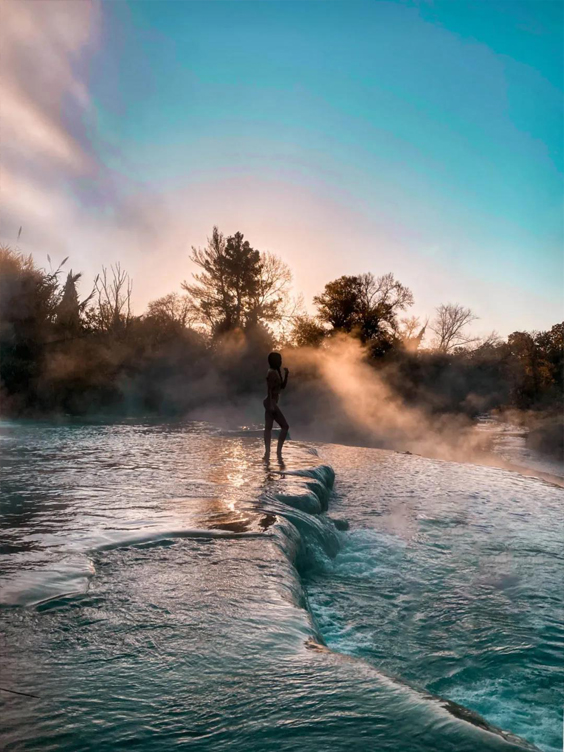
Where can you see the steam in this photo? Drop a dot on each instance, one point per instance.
(335, 395)
(351, 402)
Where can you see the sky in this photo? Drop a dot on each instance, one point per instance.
(419, 138)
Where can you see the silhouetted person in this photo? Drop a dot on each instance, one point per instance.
(275, 384)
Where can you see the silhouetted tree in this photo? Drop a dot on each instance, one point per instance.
(58, 353)
(411, 333)
(450, 326)
(307, 332)
(238, 286)
(271, 300)
(113, 310)
(28, 302)
(69, 312)
(536, 366)
(551, 346)
(172, 308)
(365, 306)
(339, 303)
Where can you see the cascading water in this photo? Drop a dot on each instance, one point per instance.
(162, 586)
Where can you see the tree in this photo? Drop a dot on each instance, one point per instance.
(339, 303)
(70, 309)
(271, 301)
(537, 366)
(307, 332)
(172, 309)
(524, 360)
(489, 343)
(243, 266)
(411, 333)
(384, 297)
(551, 347)
(238, 287)
(113, 311)
(450, 326)
(364, 305)
(210, 294)
(28, 296)
(28, 302)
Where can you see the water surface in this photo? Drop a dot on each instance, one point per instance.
(162, 586)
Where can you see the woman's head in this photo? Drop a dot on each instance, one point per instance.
(275, 360)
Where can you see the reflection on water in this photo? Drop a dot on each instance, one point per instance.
(153, 583)
(71, 489)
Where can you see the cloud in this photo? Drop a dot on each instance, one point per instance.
(53, 182)
(44, 107)
(43, 96)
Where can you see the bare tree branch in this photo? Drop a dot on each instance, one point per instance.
(114, 299)
(450, 324)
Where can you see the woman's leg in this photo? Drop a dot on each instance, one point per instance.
(283, 423)
(268, 421)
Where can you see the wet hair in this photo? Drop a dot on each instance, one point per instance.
(275, 360)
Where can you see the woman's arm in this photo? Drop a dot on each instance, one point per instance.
(285, 380)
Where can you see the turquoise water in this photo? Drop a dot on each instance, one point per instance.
(162, 587)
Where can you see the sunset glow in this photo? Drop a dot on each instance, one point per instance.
(130, 129)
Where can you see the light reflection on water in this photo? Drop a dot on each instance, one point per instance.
(70, 489)
(169, 635)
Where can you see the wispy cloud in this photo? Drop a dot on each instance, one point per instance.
(44, 98)
(53, 182)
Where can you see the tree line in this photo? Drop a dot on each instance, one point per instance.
(60, 352)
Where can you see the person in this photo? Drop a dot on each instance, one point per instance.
(275, 383)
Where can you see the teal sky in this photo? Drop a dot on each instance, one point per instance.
(422, 138)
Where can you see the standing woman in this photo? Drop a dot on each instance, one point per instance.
(275, 383)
